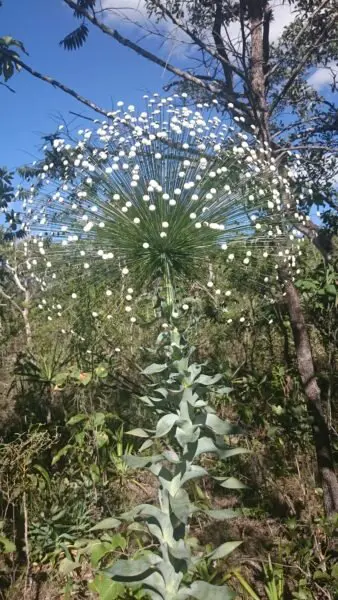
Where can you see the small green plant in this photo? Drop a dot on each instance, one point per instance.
(274, 581)
(187, 427)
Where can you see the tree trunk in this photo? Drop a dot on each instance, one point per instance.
(321, 436)
(328, 479)
(256, 15)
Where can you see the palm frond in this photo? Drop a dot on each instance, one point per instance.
(76, 38)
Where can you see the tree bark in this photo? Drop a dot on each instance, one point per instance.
(321, 436)
(256, 13)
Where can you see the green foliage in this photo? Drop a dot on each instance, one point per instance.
(8, 55)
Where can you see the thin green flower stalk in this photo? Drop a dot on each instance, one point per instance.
(187, 427)
(143, 201)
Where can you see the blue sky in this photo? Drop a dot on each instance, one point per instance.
(102, 70)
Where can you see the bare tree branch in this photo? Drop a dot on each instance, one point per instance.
(221, 56)
(217, 35)
(55, 83)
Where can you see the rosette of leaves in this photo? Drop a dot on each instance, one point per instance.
(188, 427)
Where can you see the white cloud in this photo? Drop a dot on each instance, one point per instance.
(135, 10)
(283, 15)
(323, 76)
(133, 14)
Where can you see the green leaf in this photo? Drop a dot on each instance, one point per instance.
(101, 438)
(331, 289)
(165, 424)
(77, 419)
(98, 550)
(334, 571)
(61, 453)
(7, 545)
(106, 588)
(85, 378)
(224, 550)
(43, 472)
(109, 523)
(101, 371)
(67, 566)
(60, 378)
(154, 368)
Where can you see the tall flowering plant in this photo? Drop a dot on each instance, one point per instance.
(143, 201)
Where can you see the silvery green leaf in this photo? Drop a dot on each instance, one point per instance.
(171, 456)
(162, 391)
(141, 461)
(205, 444)
(146, 444)
(224, 391)
(232, 452)
(181, 505)
(230, 483)
(206, 591)
(109, 523)
(138, 432)
(224, 550)
(222, 514)
(131, 570)
(194, 472)
(172, 486)
(217, 425)
(156, 469)
(163, 528)
(165, 424)
(187, 434)
(194, 370)
(154, 368)
(200, 403)
(208, 380)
